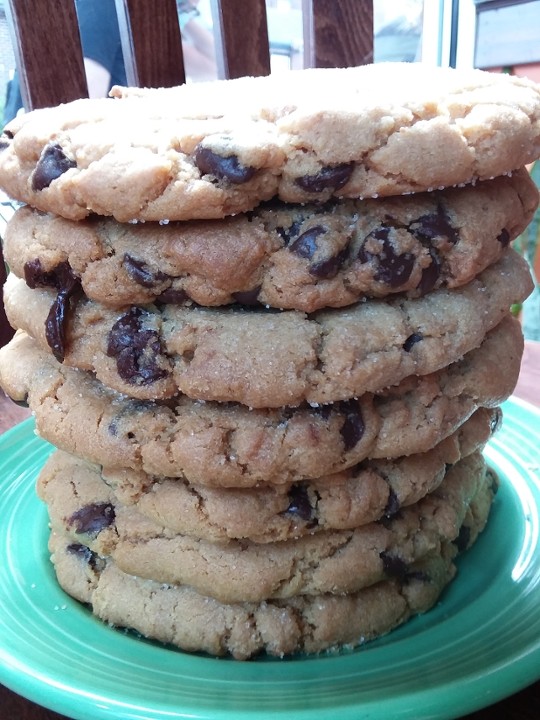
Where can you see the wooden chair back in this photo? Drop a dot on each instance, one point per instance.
(47, 47)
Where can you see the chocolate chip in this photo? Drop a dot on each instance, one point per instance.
(137, 350)
(51, 165)
(504, 237)
(430, 274)
(89, 556)
(434, 225)
(463, 539)
(330, 267)
(171, 296)
(353, 426)
(306, 244)
(330, 177)
(93, 518)
(393, 505)
(393, 268)
(393, 566)
(299, 503)
(224, 168)
(59, 277)
(248, 297)
(287, 233)
(4, 143)
(412, 340)
(140, 272)
(68, 285)
(34, 275)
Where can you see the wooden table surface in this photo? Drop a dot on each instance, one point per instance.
(524, 705)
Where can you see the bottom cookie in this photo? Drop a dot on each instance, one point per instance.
(180, 616)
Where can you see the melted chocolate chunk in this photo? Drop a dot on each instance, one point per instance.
(51, 165)
(248, 297)
(393, 566)
(412, 340)
(93, 518)
(463, 539)
(224, 168)
(84, 553)
(34, 275)
(59, 277)
(330, 267)
(331, 177)
(504, 237)
(170, 296)
(136, 350)
(306, 244)
(430, 274)
(393, 268)
(68, 285)
(299, 503)
(353, 427)
(434, 225)
(140, 272)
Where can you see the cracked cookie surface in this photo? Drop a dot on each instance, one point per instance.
(365, 493)
(180, 616)
(206, 152)
(333, 561)
(266, 359)
(294, 257)
(228, 445)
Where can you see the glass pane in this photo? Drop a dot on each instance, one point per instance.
(285, 34)
(197, 39)
(397, 30)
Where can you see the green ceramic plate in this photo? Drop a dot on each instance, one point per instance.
(479, 644)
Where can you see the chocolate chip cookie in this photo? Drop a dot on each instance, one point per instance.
(372, 490)
(207, 151)
(267, 359)
(302, 257)
(332, 561)
(178, 615)
(228, 445)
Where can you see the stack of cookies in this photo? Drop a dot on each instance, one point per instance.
(266, 322)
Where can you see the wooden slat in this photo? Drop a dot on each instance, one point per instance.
(338, 33)
(241, 33)
(151, 42)
(47, 47)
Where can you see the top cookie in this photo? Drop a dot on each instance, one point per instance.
(211, 150)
